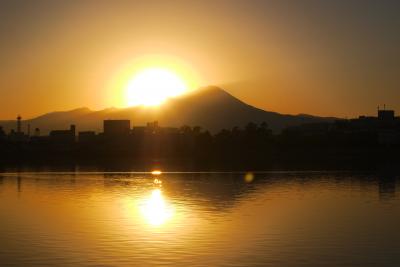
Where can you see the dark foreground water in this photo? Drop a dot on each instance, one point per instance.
(188, 219)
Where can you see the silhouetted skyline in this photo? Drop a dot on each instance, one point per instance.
(366, 140)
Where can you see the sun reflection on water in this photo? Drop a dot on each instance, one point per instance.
(156, 172)
(155, 210)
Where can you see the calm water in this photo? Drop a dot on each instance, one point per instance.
(186, 219)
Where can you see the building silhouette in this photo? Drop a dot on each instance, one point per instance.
(87, 136)
(18, 135)
(348, 139)
(116, 127)
(63, 136)
(386, 115)
(19, 118)
(382, 129)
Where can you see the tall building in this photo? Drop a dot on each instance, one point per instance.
(116, 127)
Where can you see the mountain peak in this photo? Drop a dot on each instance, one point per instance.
(209, 95)
(211, 89)
(209, 107)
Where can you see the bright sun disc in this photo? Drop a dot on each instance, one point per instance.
(151, 87)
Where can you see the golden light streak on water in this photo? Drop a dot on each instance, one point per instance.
(155, 210)
(156, 172)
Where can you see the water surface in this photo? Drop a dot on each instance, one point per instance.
(199, 219)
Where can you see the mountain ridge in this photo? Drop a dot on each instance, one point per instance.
(210, 107)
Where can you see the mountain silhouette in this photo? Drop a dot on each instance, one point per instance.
(211, 108)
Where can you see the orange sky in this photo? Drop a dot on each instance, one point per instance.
(336, 59)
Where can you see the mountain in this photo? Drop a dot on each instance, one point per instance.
(211, 108)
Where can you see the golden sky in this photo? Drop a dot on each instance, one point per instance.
(332, 59)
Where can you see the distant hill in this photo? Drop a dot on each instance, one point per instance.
(211, 108)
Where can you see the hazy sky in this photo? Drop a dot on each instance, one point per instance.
(339, 58)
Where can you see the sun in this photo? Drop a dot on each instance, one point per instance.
(149, 80)
(152, 86)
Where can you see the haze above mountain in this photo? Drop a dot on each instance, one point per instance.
(211, 108)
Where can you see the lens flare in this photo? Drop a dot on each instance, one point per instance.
(249, 177)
